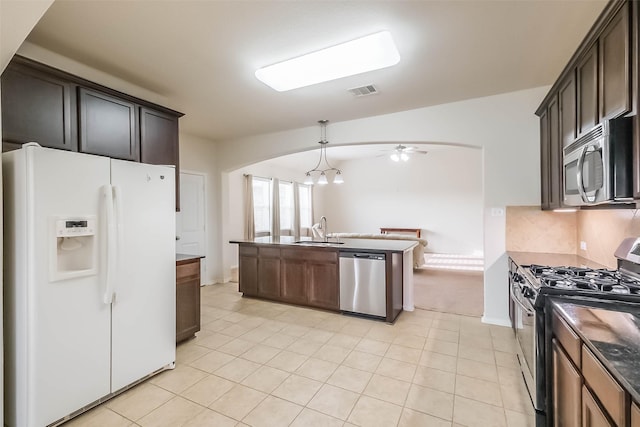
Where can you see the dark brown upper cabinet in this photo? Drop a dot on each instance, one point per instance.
(59, 110)
(108, 125)
(615, 70)
(567, 104)
(550, 157)
(38, 107)
(600, 82)
(544, 160)
(555, 157)
(159, 141)
(587, 85)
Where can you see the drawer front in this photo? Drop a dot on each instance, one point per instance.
(248, 250)
(188, 270)
(328, 255)
(569, 340)
(605, 388)
(269, 252)
(592, 414)
(635, 415)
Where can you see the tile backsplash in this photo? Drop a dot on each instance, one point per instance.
(603, 230)
(530, 229)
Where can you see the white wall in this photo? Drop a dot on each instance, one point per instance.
(504, 126)
(440, 192)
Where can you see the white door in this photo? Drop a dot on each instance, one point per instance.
(190, 221)
(67, 337)
(144, 305)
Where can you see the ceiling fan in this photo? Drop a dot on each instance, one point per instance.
(403, 153)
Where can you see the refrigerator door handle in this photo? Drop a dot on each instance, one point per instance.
(118, 237)
(111, 243)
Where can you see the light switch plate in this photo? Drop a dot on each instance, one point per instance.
(497, 211)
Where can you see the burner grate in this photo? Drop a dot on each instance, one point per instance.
(580, 278)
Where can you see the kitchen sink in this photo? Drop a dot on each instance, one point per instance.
(318, 243)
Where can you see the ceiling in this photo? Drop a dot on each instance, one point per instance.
(201, 55)
(337, 155)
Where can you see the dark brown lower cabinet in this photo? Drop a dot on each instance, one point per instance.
(294, 281)
(305, 276)
(585, 393)
(567, 389)
(592, 414)
(635, 415)
(187, 298)
(269, 272)
(610, 394)
(248, 270)
(321, 295)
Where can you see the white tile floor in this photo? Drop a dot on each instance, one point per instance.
(259, 363)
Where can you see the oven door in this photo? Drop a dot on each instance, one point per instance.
(585, 174)
(526, 330)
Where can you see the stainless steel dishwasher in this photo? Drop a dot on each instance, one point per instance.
(363, 283)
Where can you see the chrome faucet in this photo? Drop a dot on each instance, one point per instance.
(323, 226)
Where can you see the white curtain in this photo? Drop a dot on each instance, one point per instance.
(313, 217)
(275, 207)
(296, 210)
(249, 223)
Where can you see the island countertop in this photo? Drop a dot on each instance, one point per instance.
(386, 245)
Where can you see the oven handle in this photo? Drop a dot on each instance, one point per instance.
(517, 301)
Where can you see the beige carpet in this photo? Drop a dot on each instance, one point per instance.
(449, 291)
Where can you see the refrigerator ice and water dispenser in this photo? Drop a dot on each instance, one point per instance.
(75, 247)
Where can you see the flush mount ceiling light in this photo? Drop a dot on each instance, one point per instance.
(322, 179)
(357, 56)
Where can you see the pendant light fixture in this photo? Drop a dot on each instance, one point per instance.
(322, 179)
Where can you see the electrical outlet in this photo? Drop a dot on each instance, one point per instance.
(583, 245)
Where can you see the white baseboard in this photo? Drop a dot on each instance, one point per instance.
(496, 321)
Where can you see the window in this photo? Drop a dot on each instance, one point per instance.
(262, 205)
(286, 208)
(263, 208)
(306, 215)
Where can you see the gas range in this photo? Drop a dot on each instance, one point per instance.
(529, 286)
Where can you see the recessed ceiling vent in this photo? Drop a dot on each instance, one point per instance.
(363, 90)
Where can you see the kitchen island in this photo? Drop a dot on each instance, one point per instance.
(306, 272)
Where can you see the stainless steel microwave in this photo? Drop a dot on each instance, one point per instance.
(597, 167)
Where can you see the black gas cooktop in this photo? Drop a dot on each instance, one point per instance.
(580, 278)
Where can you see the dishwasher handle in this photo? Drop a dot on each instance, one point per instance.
(363, 255)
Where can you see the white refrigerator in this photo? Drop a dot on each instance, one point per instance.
(89, 257)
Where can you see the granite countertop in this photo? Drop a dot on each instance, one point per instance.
(611, 330)
(185, 257)
(345, 244)
(552, 260)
